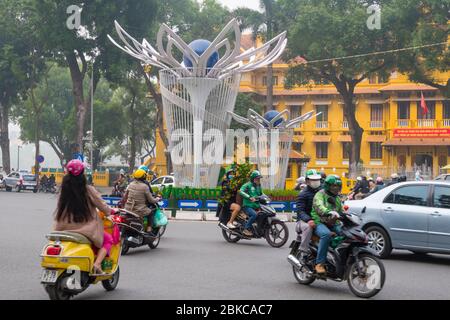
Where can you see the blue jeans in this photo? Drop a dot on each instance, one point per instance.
(323, 232)
(251, 217)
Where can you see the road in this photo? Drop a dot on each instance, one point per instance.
(194, 262)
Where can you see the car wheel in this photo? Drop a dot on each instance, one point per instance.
(8, 189)
(379, 241)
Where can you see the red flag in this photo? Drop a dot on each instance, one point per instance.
(423, 105)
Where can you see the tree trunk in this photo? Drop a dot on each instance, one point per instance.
(4, 137)
(132, 155)
(80, 103)
(356, 133)
(269, 100)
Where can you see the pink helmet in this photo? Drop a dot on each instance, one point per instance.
(379, 179)
(75, 167)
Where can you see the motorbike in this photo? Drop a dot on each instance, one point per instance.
(118, 191)
(47, 187)
(67, 261)
(133, 232)
(349, 258)
(266, 226)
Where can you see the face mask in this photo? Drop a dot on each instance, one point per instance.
(230, 176)
(314, 184)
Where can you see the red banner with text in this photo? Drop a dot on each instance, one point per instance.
(421, 133)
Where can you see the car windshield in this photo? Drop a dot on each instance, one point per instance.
(29, 178)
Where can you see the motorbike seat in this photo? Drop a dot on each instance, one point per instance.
(68, 236)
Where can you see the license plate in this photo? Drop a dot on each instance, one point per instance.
(49, 276)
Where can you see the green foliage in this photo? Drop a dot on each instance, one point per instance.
(428, 21)
(241, 176)
(243, 103)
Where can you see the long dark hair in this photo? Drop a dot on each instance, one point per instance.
(73, 203)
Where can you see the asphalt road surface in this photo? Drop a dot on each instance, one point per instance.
(193, 261)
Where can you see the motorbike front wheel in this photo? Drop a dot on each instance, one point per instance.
(369, 279)
(111, 284)
(277, 234)
(125, 248)
(230, 237)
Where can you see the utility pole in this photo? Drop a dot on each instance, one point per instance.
(92, 120)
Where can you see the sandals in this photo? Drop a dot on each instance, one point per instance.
(98, 270)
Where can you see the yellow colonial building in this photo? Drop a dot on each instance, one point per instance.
(397, 137)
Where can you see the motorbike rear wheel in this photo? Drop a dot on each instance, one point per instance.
(302, 275)
(111, 284)
(154, 244)
(56, 292)
(369, 284)
(230, 237)
(277, 231)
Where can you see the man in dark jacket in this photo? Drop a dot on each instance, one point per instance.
(305, 223)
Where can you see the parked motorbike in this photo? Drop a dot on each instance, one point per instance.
(266, 226)
(67, 262)
(349, 258)
(133, 232)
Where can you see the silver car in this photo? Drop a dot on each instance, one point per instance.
(19, 181)
(413, 216)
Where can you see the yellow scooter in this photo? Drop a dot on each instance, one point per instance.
(68, 259)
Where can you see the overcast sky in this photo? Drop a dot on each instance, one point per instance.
(232, 4)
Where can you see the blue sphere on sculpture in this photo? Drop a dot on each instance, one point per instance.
(199, 46)
(270, 115)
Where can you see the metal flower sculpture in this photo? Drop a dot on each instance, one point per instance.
(231, 61)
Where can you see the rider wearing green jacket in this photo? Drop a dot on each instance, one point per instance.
(326, 209)
(249, 192)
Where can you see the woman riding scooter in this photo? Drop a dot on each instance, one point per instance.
(76, 211)
(138, 197)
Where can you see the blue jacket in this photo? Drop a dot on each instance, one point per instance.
(305, 203)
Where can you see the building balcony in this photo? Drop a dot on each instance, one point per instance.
(344, 124)
(426, 123)
(377, 125)
(322, 125)
(404, 123)
(445, 123)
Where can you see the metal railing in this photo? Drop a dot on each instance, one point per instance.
(445, 123)
(345, 124)
(403, 123)
(426, 123)
(322, 124)
(376, 124)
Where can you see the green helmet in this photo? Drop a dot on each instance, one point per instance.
(312, 174)
(332, 180)
(255, 174)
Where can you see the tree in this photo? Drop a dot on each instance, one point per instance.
(266, 25)
(138, 119)
(56, 123)
(243, 103)
(431, 26)
(87, 47)
(17, 59)
(323, 29)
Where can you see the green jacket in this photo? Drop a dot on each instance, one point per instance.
(250, 190)
(322, 207)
